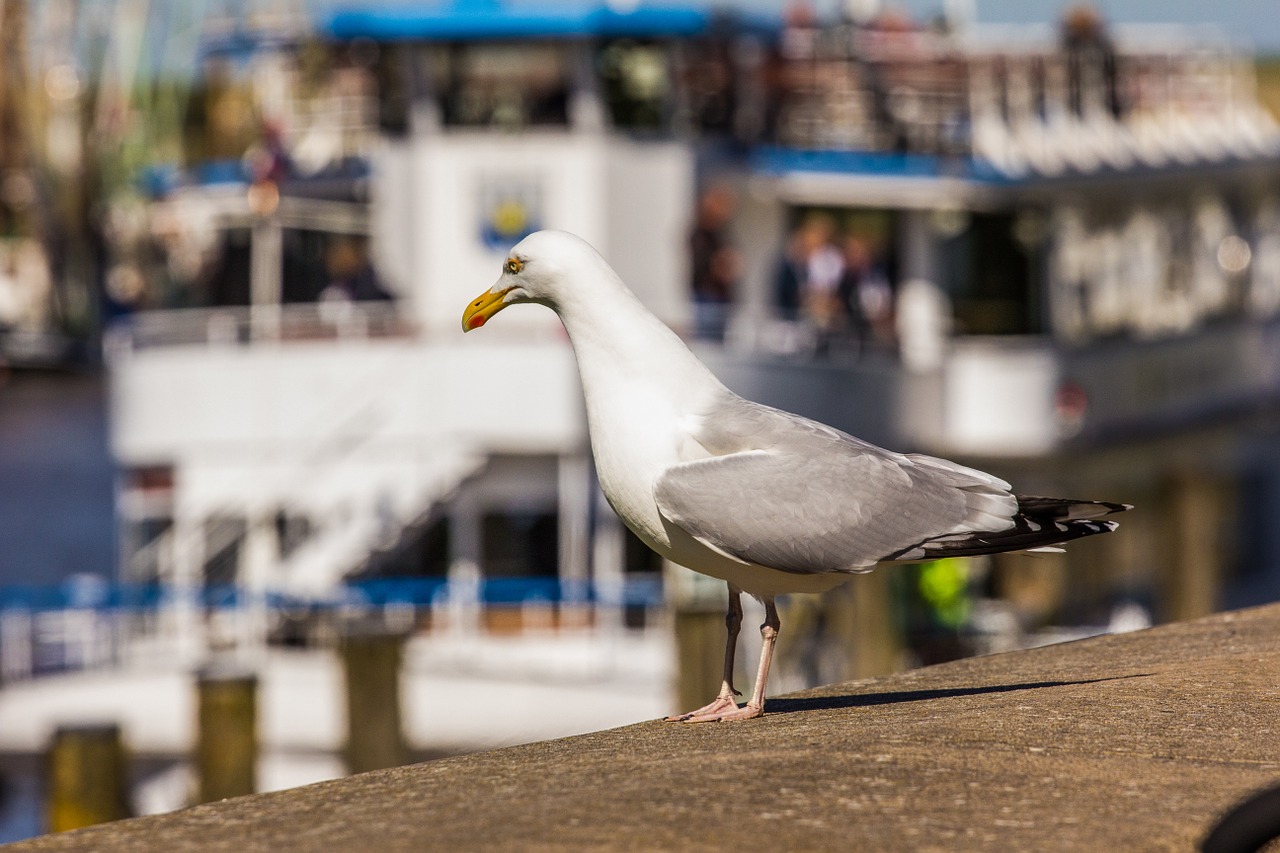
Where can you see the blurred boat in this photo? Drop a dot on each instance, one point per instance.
(1067, 247)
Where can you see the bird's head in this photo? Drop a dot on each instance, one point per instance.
(537, 269)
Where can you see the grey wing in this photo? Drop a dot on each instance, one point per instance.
(820, 501)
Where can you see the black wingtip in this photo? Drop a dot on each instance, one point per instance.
(1040, 522)
(1065, 509)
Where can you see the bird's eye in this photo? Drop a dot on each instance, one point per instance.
(513, 265)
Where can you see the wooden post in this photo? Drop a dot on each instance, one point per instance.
(865, 617)
(700, 638)
(86, 777)
(1035, 585)
(1192, 586)
(698, 608)
(371, 661)
(227, 737)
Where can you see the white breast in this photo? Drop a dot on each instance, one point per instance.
(635, 436)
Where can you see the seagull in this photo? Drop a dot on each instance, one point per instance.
(765, 500)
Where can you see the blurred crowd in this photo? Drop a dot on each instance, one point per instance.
(834, 281)
(831, 280)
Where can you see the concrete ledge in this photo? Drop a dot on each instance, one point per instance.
(1129, 742)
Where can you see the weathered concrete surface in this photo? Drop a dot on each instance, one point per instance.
(1133, 742)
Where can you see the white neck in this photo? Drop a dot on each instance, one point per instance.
(621, 345)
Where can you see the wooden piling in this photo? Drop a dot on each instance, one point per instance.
(700, 637)
(227, 738)
(87, 777)
(865, 618)
(1192, 584)
(698, 613)
(371, 662)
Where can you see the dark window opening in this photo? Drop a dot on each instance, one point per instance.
(520, 545)
(992, 279)
(505, 85)
(224, 281)
(432, 550)
(635, 78)
(394, 79)
(638, 557)
(320, 267)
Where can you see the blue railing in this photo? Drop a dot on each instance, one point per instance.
(634, 592)
(95, 594)
(777, 160)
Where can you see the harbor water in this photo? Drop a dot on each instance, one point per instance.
(56, 480)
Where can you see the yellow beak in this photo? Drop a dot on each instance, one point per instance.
(482, 308)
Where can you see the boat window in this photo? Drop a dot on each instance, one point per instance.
(837, 277)
(520, 544)
(723, 86)
(639, 558)
(393, 75)
(223, 280)
(506, 85)
(636, 80)
(992, 278)
(325, 267)
(429, 551)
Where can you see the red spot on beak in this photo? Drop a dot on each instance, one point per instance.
(476, 321)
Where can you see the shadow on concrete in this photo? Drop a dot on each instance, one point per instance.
(863, 700)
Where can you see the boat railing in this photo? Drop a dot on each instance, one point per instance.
(241, 325)
(1024, 99)
(79, 627)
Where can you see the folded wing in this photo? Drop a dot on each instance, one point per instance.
(812, 499)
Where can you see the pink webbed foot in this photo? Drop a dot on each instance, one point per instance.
(716, 706)
(729, 714)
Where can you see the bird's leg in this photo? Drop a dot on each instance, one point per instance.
(768, 637)
(725, 700)
(754, 708)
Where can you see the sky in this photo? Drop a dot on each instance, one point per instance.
(1249, 23)
(1253, 23)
